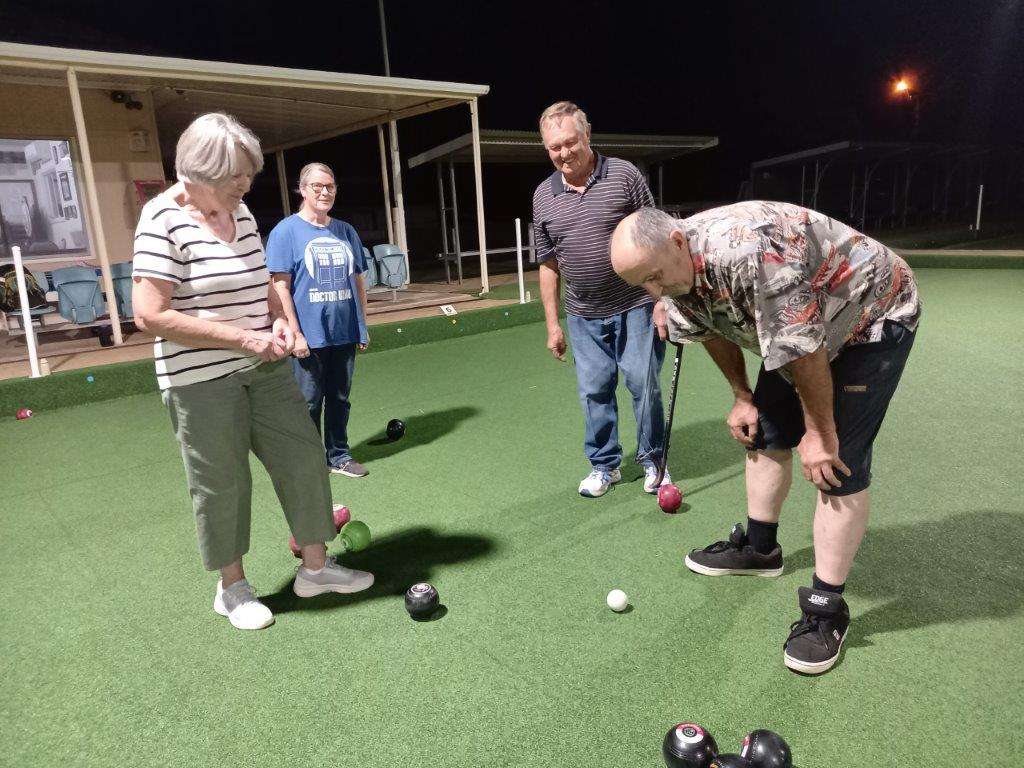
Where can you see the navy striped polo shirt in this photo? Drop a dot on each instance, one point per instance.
(576, 229)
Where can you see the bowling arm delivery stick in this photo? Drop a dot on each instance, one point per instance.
(663, 467)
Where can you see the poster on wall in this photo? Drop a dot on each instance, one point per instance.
(39, 208)
(147, 190)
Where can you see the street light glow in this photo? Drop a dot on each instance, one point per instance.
(902, 86)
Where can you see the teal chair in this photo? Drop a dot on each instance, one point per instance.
(121, 275)
(371, 276)
(79, 299)
(391, 261)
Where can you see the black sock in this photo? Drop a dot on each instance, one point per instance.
(762, 535)
(819, 584)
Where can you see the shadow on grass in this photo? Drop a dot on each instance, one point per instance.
(420, 429)
(397, 561)
(698, 450)
(962, 568)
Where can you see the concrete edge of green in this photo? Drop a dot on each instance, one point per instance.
(70, 388)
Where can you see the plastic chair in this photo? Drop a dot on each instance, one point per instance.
(79, 299)
(121, 275)
(391, 260)
(41, 280)
(371, 276)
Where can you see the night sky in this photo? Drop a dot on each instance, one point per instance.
(766, 77)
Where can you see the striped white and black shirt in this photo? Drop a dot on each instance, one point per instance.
(225, 282)
(576, 229)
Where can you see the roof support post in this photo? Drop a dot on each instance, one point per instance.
(456, 238)
(396, 174)
(443, 219)
(442, 208)
(99, 241)
(485, 285)
(385, 184)
(282, 183)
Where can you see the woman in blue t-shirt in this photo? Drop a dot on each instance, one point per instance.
(317, 266)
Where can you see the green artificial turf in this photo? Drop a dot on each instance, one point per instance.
(69, 388)
(113, 657)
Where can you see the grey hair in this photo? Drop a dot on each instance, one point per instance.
(207, 151)
(310, 168)
(561, 109)
(651, 229)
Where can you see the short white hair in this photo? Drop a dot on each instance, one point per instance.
(561, 109)
(207, 151)
(651, 229)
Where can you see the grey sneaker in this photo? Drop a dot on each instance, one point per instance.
(350, 468)
(239, 604)
(332, 578)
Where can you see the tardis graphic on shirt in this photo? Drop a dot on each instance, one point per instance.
(322, 262)
(330, 263)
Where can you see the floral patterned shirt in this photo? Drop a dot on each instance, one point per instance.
(781, 280)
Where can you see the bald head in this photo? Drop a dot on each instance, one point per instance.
(649, 248)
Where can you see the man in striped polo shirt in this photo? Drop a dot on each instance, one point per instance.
(575, 211)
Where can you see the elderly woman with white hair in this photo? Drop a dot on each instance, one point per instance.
(201, 286)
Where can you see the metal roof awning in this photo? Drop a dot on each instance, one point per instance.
(871, 151)
(526, 147)
(284, 107)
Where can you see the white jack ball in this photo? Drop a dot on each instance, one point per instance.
(617, 600)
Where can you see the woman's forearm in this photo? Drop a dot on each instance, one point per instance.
(191, 331)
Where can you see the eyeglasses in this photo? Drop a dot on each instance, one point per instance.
(316, 188)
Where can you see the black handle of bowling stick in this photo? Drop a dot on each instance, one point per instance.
(676, 365)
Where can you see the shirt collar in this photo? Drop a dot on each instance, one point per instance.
(700, 271)
(558, 185)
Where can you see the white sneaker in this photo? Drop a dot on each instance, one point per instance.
(651, 477)
(598, 482)
(331, 578)
(239, 604)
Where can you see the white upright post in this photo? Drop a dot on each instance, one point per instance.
(977, 219)
(26, 316)
(99, 241)
(385, 183)
(396, 174)
(481, 226)
(519, 262)
(282, 182)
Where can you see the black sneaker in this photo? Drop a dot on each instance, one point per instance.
(814, 642)
(735, 556)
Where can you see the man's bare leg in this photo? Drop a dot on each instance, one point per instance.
(769, 477)
(839, 525)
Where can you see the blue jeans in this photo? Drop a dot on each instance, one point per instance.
(601, 347)
(325, 380)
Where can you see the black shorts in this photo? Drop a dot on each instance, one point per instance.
(864, 378)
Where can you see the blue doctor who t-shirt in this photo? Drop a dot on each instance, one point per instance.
(321, 262)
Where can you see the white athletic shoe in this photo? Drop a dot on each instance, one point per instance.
(598, 482)
(239, 604)
(651, 476)
(331, 578)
